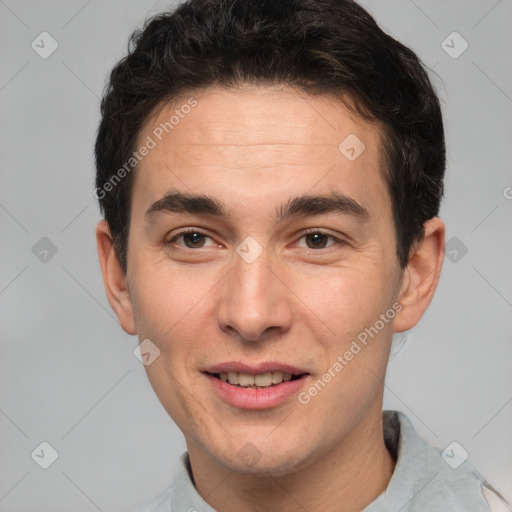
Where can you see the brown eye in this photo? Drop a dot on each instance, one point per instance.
(193, 239)
(316, 240)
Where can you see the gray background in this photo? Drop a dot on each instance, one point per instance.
(68, 372)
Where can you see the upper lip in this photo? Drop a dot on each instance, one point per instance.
(256, 369)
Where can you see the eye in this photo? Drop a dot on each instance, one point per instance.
(192, 239)
(318, 240)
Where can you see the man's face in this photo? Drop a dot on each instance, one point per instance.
(264, 283)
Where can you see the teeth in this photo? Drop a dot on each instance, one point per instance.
(263, 380)
(277, 377)
(245, 379)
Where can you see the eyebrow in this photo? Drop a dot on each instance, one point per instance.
(322, 204)
(177, 202)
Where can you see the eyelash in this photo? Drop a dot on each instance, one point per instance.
(199, 232)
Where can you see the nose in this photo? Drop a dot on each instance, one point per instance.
(255, 302)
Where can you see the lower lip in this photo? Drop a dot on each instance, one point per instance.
(256, 399)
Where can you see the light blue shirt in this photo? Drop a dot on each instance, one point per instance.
(422, 479)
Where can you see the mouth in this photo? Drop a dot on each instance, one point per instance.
(259, 381)
(265, 385)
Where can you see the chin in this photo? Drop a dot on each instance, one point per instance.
(265, 458)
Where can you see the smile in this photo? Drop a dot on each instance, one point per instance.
(256, 391)
(262, 380)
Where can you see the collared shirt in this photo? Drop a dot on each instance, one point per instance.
(423, 479)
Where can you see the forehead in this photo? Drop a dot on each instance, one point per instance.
(240, 142)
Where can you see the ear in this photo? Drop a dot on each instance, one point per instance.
(421, 275)
(114, 278)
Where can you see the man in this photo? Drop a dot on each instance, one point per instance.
(270, 174)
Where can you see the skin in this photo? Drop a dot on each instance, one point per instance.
(253, 149)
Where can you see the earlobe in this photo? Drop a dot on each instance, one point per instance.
(114, 278)
(421, 275)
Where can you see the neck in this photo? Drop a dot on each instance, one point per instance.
(346, 478)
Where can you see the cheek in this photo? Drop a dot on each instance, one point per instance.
(169, 311)
(349, 303)
(345, 300)
(166, 302)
